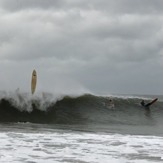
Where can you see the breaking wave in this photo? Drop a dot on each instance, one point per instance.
(84, 109)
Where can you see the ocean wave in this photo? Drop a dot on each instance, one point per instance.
(83, 109)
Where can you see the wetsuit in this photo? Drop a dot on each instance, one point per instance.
(146, 106)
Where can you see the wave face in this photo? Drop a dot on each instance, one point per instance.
(84, 109)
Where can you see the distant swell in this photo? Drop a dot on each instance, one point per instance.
(85, 109)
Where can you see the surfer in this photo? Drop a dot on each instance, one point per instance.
(146, 106)
(111, 104)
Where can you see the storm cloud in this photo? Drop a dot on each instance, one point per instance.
(102, 47)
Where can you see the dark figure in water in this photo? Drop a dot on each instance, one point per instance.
(146, 106)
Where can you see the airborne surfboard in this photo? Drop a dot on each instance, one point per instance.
(33, 81)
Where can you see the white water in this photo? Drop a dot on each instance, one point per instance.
(69, 146)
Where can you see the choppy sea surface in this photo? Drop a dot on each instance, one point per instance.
(83, 129)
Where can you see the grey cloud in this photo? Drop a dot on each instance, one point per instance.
(103, 46)
(35, 34)
(23, 4)
(118, 6)
(129, 6)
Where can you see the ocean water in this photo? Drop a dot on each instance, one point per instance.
(49, 128)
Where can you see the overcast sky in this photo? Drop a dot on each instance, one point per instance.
(97, 46)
